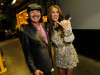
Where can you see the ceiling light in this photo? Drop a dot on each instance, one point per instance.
(2, 4)
(13, 2)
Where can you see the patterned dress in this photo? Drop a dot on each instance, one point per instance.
(65, 55)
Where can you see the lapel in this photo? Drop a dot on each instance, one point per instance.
(44, 26)
(38, 33)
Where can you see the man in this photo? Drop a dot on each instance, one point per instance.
(35, 42)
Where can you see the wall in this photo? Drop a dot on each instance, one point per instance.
(85, 13)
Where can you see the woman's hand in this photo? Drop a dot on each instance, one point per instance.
(64, 24)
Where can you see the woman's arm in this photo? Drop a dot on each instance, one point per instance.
(67, 30)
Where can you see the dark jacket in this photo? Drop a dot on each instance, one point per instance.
(37, 52)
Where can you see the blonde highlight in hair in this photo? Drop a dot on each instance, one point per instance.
(49, 19)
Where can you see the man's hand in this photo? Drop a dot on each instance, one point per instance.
(38, 72)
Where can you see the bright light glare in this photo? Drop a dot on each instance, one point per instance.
(13, 2)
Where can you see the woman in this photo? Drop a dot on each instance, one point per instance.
(65, 56)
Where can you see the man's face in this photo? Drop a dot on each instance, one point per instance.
(35, 15)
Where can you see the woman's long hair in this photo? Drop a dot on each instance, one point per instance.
(49, 19)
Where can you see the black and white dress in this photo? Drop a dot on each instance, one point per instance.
(65, 55)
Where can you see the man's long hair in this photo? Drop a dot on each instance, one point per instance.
(29, 20)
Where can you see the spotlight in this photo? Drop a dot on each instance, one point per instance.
(13, 2)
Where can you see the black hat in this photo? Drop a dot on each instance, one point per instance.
(34, 7)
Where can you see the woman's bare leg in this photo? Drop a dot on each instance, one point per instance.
(69, 72)
(61, 71)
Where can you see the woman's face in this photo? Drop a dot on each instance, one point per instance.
(55, 14)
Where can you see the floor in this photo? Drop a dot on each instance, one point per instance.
(16, 65)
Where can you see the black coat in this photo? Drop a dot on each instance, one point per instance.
(37, 52)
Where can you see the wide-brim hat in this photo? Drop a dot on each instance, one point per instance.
(34, 7)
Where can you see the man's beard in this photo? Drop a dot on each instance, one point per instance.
(30, 20)
(35, 16)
